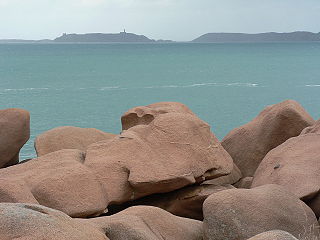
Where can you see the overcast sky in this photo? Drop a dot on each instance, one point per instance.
(158, 19)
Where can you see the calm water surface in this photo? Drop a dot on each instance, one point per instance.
(91, 85)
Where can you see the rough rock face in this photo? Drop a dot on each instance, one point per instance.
(148, 223)
(58, 180)
(68, 138)
(143, 115)
(35, 222)
(274, 235)
(239, 214)
(14, 133)
(249, 143)
(173, 151)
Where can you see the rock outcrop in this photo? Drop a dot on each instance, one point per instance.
(173, 151)
(35, 222)
(68, 137)
(57, 180)
(147, 223)
(249, 143)
(143, 115)
(239, 214)
(14, 133)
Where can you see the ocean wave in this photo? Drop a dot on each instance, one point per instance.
(109, 88)
(164, 86)
(312, 85)
(237, 84)
(22, 89)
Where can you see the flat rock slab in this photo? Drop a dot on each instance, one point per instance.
(173, 151)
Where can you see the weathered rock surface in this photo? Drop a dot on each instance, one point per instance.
(35, 222)
(239, 214)
(57, 180)
(143, 115)
(173, 151)
(244, 183)
(249, 143)
(274, 235)
(295, 165)
(68, 137)
(147, 223)
(14, 133)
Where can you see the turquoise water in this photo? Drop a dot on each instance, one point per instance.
(91, 85)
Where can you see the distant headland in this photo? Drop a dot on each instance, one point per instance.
(259, 37)
(124, 37)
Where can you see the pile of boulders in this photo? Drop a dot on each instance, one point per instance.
(165, 176)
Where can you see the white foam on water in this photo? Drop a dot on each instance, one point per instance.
(109, 88)
(23, 89)
(312, 85)
(164, 86)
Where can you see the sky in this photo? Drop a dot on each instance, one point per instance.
(180, 20)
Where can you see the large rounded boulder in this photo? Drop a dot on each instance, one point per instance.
(57, 180)
(274, 235)
(68, 137)
(173, 151)
(295, 165)
(238, 214)
(35, 222)
(249, 143)
(147, 223)
(14, 133)
(143, 115)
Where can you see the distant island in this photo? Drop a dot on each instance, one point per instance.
(259, 37)
(121, 37)
(124, 37)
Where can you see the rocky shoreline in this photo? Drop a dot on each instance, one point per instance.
(165, 176)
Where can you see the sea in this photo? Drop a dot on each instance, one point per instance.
(92, 85)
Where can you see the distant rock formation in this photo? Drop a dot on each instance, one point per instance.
(259, 37)
(122, 37)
